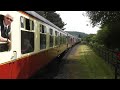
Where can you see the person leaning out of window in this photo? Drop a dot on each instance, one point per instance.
(5, 31)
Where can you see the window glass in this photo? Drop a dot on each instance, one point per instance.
(51, 37)
(56, 38)
(61, 41)
(42, 37)
(27, 42)
(51, 41)
(27, 22)
(42, 41)
(42, 29)
(32, 25)
(51, 31)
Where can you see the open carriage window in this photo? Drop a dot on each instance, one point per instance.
(5, 35)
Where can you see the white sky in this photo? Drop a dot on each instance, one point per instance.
(77, 22)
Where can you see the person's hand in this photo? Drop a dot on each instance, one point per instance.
(9, 44)
(8, 41)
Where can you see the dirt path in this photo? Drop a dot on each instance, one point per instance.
(82, 63)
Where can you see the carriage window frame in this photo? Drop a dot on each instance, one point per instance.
(51, 32)
(56, 33)
(22, 22)
(31, 41)
(32, 25)
(64, 39)
(51, 36)
(43, 31)
(28, 28)
(61, 38)
(43, 28)
(56, 38)
(27, 24)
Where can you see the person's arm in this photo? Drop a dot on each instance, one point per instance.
(9, 35)
(4, 39)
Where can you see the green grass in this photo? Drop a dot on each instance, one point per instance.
(89, 65)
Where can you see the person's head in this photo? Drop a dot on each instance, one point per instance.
(8, 19)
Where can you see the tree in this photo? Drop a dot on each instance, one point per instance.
(56, 19)
(103, 17)
(42, 13)
(110, 27)
(89, 38)
(102, 35)
(53, 17)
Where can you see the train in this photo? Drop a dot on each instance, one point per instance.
(46, 42)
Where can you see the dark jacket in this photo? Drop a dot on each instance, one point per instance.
(4, 33)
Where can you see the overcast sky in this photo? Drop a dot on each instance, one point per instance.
(76, 21)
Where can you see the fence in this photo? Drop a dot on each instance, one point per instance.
(110, 57)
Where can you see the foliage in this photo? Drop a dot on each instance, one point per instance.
(89, 38)
(103, 17)
(109, 34)
(102, 35)
(53, 17)
(113, 36)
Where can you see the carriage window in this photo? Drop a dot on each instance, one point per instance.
(32, 25)
(42, 37)
(56, 33)
(51, 37)
(27, 42)
(56, 38)
(27, 22)
(42, 41)
(43, 29)
(51, 31)
(69, 39)
(64, 39)
(5, 32)
(22, 21)
(61, 40)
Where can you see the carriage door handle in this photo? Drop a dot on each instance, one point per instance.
(14, 56)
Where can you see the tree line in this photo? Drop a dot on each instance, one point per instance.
(109, 33)
(53, 17)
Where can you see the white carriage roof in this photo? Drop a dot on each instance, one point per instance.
(36, 15)
(33, 13)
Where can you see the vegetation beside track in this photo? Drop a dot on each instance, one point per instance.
(85, 64)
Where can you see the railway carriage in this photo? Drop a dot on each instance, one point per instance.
(34, 43)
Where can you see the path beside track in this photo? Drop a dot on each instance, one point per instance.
(82, 63)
